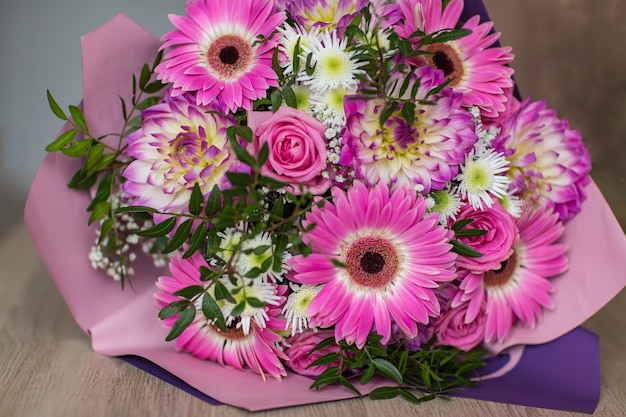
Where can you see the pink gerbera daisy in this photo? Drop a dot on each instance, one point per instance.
(216, 51)
(520, 288)
(478, 70)
(379, 259)
(256, 350)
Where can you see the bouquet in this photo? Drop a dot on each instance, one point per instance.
(349, 191)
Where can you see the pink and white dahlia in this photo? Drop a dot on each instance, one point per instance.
(478, 70)
(379, 259)
(519, 288)
(426, 153)
(178, 145)
(549, 164)
(256, 350)
(326, 14)
(216, 53)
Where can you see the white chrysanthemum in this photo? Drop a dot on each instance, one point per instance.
(230, 240)
(483, 176)
(262, 291)
(512, 204)
(252, 257)
(328, 106)
(445, 202)
(288, 44)
(297, 303)
(303, 97)
(335, 66)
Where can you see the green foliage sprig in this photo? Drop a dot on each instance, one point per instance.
(103, 162)
(419, 376)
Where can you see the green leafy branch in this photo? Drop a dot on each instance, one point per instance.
(104, 163)
(419, 375)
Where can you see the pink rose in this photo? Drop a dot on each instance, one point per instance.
(452, 329)
(297, 148)
(496, 246)
(300, 347)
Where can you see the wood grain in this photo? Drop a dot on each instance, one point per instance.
(48, 368)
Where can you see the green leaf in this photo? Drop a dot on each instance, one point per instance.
(173, 308)
(255, 302)
(144, 77)
(136, 209)
(277, 100)
(214, 202)
(78, 117)
(290, 97)
(54, 106)
(239, 308)
(329, 341)
(222, 293)
(387, 369)
(387, 111)
(93, 157)
(105, 229)
(146, 103)
(243, 132)
(104, 161)
(189, 292)
(77, 149)
(408, 113)
(242, 154)
(409, 396)
(239, 178)
(464, 250)
(196, 200)
(154, 87)
(182, 322)
(325, 360)
(160, 229)
(346, 383)
(101, 210)
(80, 180)
(329, 376)
(180, 236)
(450, 35)
(368, 374)
(461, 224)
(63, 140)
(198, 237)
(384, 393)
(264, 153)
(212, 311)
(471, 232)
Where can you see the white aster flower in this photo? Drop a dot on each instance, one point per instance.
(335, 66)
(328, 106)
(483, 176)
(512, 204)
(291, 45)
(296, 306)
(262, 291)
(254, 256)
(445, 202)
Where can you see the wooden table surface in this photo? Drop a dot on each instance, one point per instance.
(47, 367)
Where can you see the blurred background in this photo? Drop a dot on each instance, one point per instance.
(568, 52)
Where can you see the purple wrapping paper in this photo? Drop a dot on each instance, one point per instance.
(561, 374)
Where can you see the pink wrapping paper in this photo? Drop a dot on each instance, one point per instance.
(126, 323)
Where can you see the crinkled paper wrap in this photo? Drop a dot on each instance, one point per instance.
(562, 374)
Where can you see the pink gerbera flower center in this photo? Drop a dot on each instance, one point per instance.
(372, 261)
(231, 333)
(229, 56)
(502, 275)
(443, 57)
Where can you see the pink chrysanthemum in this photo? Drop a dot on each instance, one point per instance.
(520, 288)
(549, 164)
(427, 153)
(479, 70)
(216, 52)
(391, 261)
(178, 145)
(256, 350)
